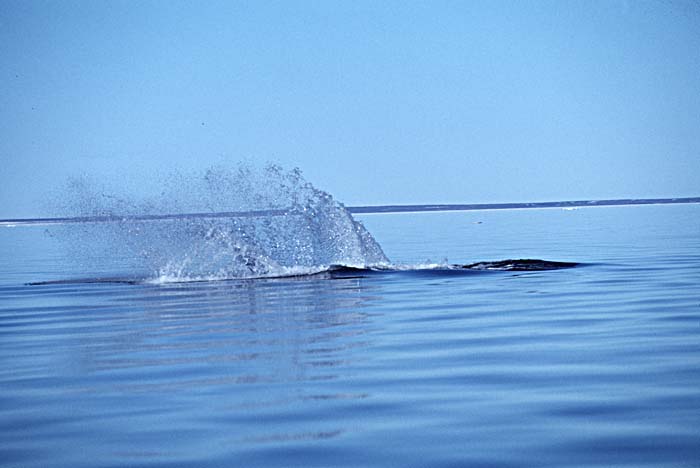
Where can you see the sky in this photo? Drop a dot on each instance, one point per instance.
(376, 102)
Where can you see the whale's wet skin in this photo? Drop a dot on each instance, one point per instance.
(297, 340)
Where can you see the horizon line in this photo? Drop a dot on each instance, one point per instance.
(399, 208)
(361, 209)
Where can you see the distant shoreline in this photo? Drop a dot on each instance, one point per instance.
(377, 209)
(509, 206)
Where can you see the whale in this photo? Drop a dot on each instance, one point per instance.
(523, 264)
(344, 271)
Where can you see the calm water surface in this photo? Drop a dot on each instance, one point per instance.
(593, 366)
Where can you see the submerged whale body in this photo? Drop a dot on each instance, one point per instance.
(523, 264)
(344, 271)
(519, 265)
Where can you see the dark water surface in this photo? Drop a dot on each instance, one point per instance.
(597, 365)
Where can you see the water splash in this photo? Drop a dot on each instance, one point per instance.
(229, 224)
(284, 226)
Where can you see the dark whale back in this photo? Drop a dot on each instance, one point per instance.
(519, 265)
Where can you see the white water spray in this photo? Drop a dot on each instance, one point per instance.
(285, 227)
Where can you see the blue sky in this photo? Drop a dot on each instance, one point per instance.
(377, 102)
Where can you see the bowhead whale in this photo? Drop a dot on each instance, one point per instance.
(525, 264)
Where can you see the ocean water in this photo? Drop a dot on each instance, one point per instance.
(593, 366)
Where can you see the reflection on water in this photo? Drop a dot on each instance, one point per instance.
(289, 326)
(144, 361)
